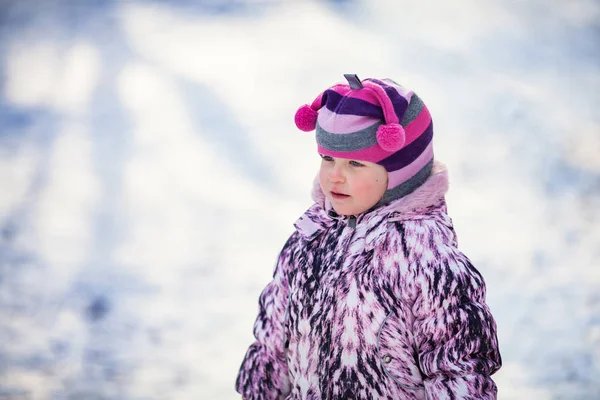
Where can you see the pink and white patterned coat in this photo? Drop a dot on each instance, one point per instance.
(378, 306)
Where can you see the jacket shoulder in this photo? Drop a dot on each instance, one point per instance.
(431, 254)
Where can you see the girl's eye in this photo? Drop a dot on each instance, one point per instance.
(356, 164)
(327, 158)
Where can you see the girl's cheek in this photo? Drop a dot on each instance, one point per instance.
(323, 169)
(323, 176)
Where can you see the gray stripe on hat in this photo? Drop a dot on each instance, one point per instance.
(414, 109)
(348, 141)
(408, 186)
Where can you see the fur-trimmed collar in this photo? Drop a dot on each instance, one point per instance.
(430, 193)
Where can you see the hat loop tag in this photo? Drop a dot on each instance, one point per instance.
(353, 81)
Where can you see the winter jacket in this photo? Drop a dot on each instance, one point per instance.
(381, 305)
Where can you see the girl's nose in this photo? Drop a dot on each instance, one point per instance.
(336, 175)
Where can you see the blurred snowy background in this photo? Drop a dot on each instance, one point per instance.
(150, 172)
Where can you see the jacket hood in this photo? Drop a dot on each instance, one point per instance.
(431, 193)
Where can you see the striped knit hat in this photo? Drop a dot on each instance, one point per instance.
(377, 121)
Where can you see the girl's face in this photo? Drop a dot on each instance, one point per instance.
(351, 186)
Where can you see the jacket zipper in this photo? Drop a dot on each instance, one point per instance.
(351, 224)
(352, 221)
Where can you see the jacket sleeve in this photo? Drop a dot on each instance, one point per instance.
(454, 330)
(264, 374)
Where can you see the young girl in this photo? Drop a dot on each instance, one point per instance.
(371, 298)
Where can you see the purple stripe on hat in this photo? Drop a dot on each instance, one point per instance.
(410, 153)
(399, 102)
(346, 105)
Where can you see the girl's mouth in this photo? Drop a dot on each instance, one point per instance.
(339, 196)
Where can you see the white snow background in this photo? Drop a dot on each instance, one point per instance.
(150, 172)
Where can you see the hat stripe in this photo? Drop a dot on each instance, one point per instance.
(349, 141)
(346, 105)
(418, 126)
(341, 124)
(409, 186)
(408, 154)
(412, 112)
(397, 177)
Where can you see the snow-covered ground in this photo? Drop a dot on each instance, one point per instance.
(150, 172)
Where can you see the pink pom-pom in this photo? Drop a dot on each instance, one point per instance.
(306, 118)
(391, 137)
